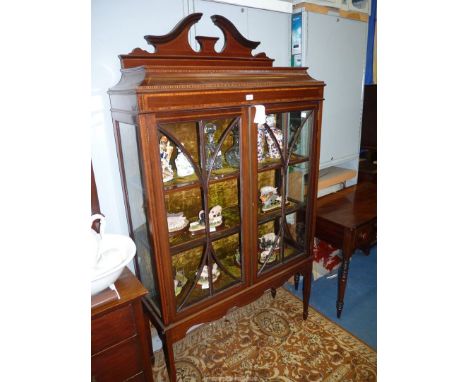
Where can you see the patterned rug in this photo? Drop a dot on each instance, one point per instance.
(269, 341)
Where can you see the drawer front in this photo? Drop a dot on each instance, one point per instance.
(112, 328)
(366, 235)
(118, 363)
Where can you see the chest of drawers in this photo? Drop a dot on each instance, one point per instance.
(120, 348)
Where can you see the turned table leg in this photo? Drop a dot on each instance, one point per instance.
(343, 279)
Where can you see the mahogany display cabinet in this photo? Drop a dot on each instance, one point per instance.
(218, 154)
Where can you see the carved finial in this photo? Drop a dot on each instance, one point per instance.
(176, 41)
(174, 48)
(234, 41)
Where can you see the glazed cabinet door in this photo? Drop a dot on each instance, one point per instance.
(200, 172)
(283, 171)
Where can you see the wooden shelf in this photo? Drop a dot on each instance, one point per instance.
(187, 183)
(293, 206)
(186, 241)
(275, 164)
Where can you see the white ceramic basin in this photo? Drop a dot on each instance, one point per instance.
(116, 251)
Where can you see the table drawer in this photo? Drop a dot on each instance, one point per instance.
(366, 235)
(118, 363)
(112, 328)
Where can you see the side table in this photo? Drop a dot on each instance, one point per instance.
(120, 347)
(347, 219)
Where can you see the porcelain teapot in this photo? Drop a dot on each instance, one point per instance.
(94, 239)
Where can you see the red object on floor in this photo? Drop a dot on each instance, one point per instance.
(326, 258)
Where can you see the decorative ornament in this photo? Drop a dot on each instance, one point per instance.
(176, 222)
(203, 281)
(232, 155)
(260, 142)
(269, 198)
(265, 256)
(165, 151)
(184, 168)
(214, 216)
(179, 281)
(268, 240)
(268, 248)
(273, 151)
(237, 257)
(210, 129)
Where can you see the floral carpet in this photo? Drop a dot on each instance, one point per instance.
(268, 340)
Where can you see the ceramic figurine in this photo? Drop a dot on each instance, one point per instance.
(184, 168)
(270, 120)
(204, 276)
(214, 216)
(267, 241)
(260, 142)
(238, 257)
(269, 198)
(232, 155)
(176, 222)
(266, 257)
(273, 151)
(165, 150)
(210, 129)
(179, 281)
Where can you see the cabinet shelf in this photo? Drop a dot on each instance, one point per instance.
(191, 181)
(293, 206)
(185, 240)
(274, 164)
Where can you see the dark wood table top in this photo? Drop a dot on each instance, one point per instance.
(350, 207)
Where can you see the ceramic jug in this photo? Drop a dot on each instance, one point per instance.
(94, 239)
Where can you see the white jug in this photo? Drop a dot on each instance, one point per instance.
(95, 240)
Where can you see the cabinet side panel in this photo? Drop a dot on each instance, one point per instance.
(135, 197)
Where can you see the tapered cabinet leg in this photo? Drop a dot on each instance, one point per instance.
(169, 357)
(273, 292)
(306, 292)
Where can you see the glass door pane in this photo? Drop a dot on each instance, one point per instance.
(200, 165)
(283, 145)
